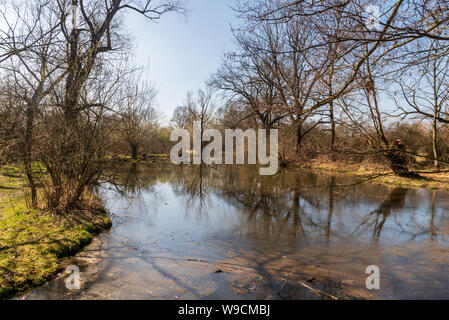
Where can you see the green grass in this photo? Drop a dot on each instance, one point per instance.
(159, 155)
(32, 243)
(11, 189)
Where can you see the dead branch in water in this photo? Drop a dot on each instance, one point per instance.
(318, 292)
(285, 282)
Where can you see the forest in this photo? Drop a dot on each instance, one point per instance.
(337, 85)
(347, 83)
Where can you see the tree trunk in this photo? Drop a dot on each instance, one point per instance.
(434, 140)
(134, 154)
(299, 137)
(331, 111)
(27, 159)
(398, 162)
(397, 157)
(31, 182)
(72, 86)
(333, 133)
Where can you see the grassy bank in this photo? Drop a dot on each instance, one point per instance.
(34, 243)
(381, 175)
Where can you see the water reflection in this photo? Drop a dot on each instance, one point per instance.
(291, 205)
(180, 224)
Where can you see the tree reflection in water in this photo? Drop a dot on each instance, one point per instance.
(394, 200)
(291, 206)
(186, 222)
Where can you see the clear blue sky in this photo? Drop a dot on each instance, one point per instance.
(183, 51)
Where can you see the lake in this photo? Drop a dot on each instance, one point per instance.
(225, 232)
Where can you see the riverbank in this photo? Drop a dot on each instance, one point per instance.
(33, 244)
(429, 179)
(367, 172)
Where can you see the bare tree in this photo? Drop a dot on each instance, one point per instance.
(201, 107)
(290, 55)
(182, 118)
(98, 34)
(426, 94)
(137, 113)
(32, 72)
(91, 45)
(63, 85)
(397, 29)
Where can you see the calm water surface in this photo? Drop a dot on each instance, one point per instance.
(228, 233)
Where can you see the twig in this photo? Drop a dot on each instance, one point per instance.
(285, 282)
(318, 292)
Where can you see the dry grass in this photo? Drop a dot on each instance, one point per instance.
(382, 175)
